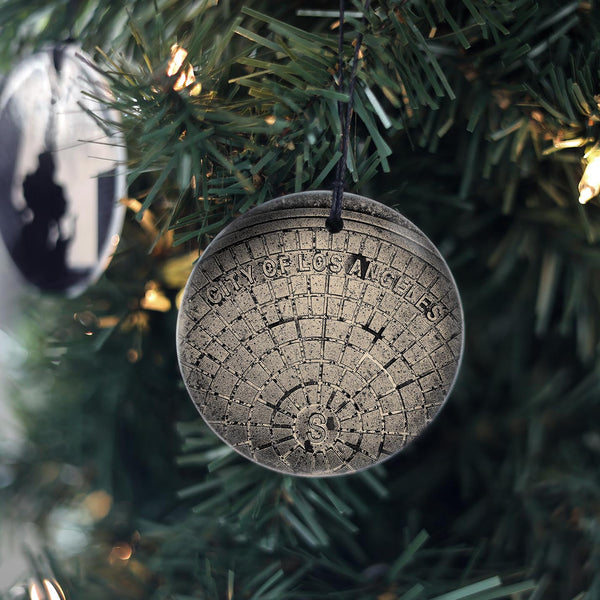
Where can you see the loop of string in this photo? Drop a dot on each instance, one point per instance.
(334, 222)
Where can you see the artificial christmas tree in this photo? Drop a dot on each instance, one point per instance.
(476, 120)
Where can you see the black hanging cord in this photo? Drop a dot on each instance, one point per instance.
(334, 222)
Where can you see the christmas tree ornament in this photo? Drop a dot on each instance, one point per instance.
(317, 353)
(61, 170)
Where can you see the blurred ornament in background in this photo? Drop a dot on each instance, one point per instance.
(62, 170)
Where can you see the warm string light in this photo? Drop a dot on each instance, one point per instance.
(98, 504)
(35, 593)
(589, 186)
(186, 76)
(154, 299)
(120, 553)
(51, 590)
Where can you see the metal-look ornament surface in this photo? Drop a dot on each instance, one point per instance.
(314, 353)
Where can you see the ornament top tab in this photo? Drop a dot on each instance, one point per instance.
(314, 353)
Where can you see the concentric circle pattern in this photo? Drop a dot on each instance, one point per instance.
(314, 353)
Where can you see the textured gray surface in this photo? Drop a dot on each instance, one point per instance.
(314, 353)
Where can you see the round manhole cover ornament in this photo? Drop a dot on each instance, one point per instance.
(314, 353)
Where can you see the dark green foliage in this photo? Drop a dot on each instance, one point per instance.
(472, 118)
(102, 420)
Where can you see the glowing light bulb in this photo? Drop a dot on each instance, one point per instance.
(120, 552)
(34, 592)
(589, 186)
(154, 299)
(178, 55)
(53, 590)
(186, 76)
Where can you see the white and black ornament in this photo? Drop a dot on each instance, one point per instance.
(317, 353)
(62, 170)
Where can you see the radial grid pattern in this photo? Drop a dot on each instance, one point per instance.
(314, 353)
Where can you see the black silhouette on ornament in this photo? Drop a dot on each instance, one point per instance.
(41, 249)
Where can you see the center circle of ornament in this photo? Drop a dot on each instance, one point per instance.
(314, 353)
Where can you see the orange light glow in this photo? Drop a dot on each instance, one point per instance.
(178, 55)
(120, 552)
(98, 504)
(154, 299)
(107, 322)
(133, 355)
(34, 592)
(186, 76)
(53, 590)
